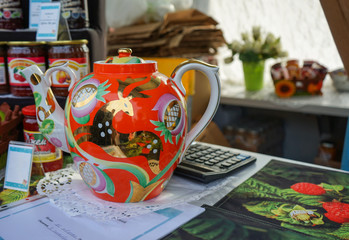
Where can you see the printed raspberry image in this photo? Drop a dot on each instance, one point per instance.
(308, 188)
(337, 211)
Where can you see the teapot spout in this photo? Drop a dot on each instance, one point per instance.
(49, 115)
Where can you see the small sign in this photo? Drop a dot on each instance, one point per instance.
(19, 166)
(49, 21)
(34, 12)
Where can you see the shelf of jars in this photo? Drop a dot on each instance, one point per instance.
(331, 103)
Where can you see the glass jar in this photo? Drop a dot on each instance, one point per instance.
(293, 69)
(19, 56)
(76, 53)
(11, 15)
(47, 157)
(76, 13)
(326, 154)
(3, 71)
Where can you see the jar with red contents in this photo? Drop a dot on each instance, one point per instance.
(47, 157)
(19, 56)
(3, 71)
(76, 53)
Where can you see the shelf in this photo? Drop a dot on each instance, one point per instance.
(96, 40)
(331, 103)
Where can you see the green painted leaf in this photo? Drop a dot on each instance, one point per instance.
(157, 123)
(177, 138)
(316, 233)
(210, 228)
(86, 78)
(110, 184)
(37, 98)
(47, 126)
(101, 91)
(342, 232)
(336, 188)
(168, 136)
(82, 120)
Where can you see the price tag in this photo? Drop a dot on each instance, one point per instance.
(34, 12)
(49, 21)
(19, 166)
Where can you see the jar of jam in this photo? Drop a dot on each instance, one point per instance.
(46, 156)
(76, 13)
(3, 71)
(19, 56)
(278, 72)
(11, 15)
(293, 69)
(76, 53)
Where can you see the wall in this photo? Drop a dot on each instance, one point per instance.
(301, 25)
(305, 34)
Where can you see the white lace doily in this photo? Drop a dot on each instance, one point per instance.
(68, 192)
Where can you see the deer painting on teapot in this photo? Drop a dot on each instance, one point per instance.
(125, 124)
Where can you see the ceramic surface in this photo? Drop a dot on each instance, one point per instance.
(125, 124)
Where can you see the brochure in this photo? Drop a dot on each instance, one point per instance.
(295, 199)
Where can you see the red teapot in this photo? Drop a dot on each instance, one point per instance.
(125, 124)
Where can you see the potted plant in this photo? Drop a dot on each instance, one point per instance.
(253, 50)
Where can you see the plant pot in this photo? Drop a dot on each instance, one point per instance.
(253, 74)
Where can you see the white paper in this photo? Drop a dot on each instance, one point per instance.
(34, 12)
(49, 21)
(18, 166)
(42, 220)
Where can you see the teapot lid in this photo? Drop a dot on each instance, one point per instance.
(124, 57)
(125, 63)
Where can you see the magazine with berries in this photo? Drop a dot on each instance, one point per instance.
(308, 200)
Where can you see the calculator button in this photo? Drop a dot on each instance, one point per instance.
(219, 158)
(231, 162)
(225, 165)
(208, 163)
(189, 158)
(242, 157)
(235, 159)
(214, 161)
(211, 150)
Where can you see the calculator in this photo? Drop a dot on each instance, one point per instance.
(208, 162)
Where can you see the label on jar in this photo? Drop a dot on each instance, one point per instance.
(61, 78)
(10, 3)
(15, 65)
(44, 151)
(2, 72)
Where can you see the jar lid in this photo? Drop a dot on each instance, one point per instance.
(25, 43)
(29, 110)
(68, 42)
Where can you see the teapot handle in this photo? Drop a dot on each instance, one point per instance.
(211, 72)
(64, 67)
